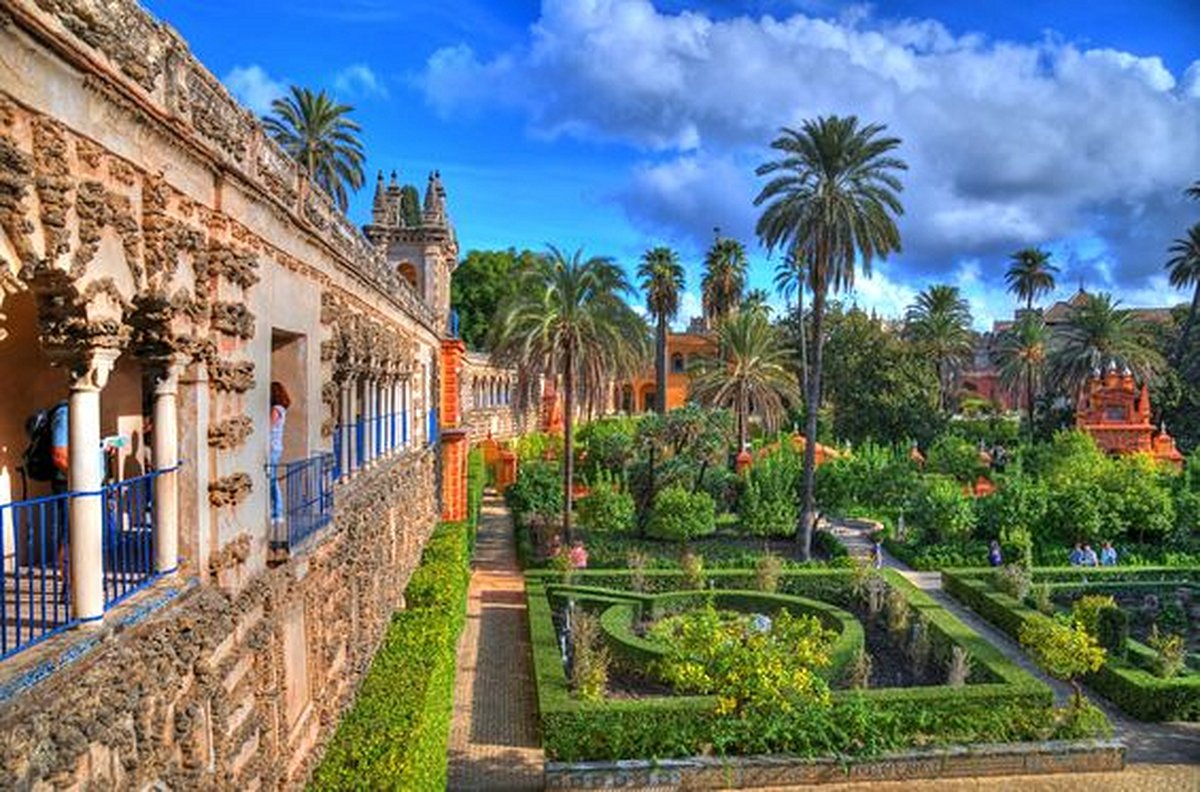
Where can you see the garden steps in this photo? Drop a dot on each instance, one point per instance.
(494, 741)
(1160, 743)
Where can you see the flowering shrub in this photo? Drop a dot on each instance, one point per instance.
(746, 668)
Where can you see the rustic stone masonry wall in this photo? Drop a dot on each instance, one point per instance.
(234, 692)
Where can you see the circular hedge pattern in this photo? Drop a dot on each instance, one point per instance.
(636, 653)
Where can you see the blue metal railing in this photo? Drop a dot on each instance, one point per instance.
(37, 602)
(454, 323)
(337, 453)
(360, 443)
(306, 490)
(404, 427)
(128, 536)
(433, 426)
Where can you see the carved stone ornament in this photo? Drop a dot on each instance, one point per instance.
(237, 377)
(90, 370)
(230, 433)
(16, 177)
(229, 490)
(233, 319)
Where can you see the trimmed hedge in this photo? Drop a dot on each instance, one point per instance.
(1126, 683)
(636, 653)
(395, 734)
(1002, 703)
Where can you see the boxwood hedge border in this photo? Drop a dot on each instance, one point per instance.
(1126, 683)
(661, 727)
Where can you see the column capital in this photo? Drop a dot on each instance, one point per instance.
(89, 369)
(165, 373)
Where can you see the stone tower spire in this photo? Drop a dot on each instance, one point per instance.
(394, 193)
(379, 204)
(435, 200)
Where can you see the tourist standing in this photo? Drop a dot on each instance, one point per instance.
(995, 557)
(1108, 555)
(1076, 556)
(280, 401)
(877, 554)
(1089, 556)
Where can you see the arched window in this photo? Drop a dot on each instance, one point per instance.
(408, 272)
(677, 363)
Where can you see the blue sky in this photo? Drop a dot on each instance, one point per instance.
(617, 125)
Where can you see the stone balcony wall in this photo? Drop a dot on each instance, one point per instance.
(233, 692)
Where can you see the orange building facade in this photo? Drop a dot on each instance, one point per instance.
(682, 348)
(1115, 412)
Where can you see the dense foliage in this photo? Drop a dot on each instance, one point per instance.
(482, 281)
(681, 515)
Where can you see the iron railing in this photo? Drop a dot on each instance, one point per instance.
(433, 426)
(128, 544)
(305, 492)
(34, 551)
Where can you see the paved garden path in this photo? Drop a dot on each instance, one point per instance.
(494, 742)
(1159, 743)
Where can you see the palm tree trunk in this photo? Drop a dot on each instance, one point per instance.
(741, 418)
(808, 511)
(660, 366)
(803, 338)
(1029, 396)
(568, 440)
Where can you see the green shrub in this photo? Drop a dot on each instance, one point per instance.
(766, 573)
(768, 504)
(1170, 653)
(1063, 652)
(1014, 580)
(680, 515)
(589, 657)
(955, 457)
(1086, 611)
(692, 565)
(395, 734)
(606, 508)
(538, 490)
(942, 511)
(608, 445)
(1112, 631)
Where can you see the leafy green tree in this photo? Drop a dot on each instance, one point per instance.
(480, 284)
(953, 456)
(1063, 652)
(315, 131)
(568, 317)
(877, 386)
(1030, 275)
(1022, 358)
(751, 365)
(662, 279)
(833, 197)
(410, 206)
(939, 323)
(1184, 273)
(1097, 335)
(942, 511)
(724, 278)
(756, 301)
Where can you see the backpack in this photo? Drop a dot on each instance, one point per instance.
(37, 461)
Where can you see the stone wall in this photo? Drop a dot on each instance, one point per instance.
(238, 691)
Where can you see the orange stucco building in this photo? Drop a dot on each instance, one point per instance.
(1115, 412)
(682, 348)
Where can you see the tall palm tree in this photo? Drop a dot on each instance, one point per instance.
(751, 365)
(1098, 335)
(756, 300)
(313, 128)
(662, 280)
(1030, 275)
(1184, 268)
(833, 198)
(939, 324)
(791, 277)
(724, 279)
(568, 317)
(1021, 355)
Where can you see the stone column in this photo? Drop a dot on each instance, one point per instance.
(371, 410)
(166, 458)
(346, 426)
(86, 516)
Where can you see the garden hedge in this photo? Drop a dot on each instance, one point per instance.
(636, 653)
(1000, 693)
(1127, 683)
(395, 735)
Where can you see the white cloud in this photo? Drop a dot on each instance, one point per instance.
(359, 80)
(253, 87)
(690, 306)
(1009, 144)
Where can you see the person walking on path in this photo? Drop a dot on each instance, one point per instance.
(1108, 555)
(995, 557)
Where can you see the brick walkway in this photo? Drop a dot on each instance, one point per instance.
(494, 743)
